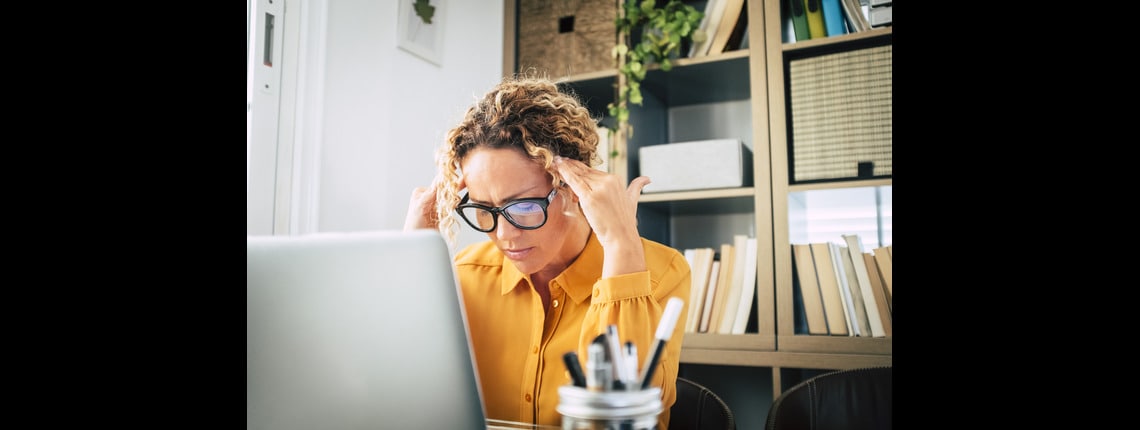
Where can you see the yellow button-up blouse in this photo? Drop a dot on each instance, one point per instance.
(518, 349)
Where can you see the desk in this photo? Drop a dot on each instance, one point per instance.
(493, 424)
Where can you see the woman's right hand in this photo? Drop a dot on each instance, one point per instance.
(421, 208)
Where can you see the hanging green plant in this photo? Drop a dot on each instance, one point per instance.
(661, 31)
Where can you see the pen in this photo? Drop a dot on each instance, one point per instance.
(664, 332)
(630, 352)
(621, 379)
(598, 376)
(575, 369)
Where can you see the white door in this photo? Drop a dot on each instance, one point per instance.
(263, 98)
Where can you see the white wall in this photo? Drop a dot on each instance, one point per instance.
(386, 110)
(361, 118)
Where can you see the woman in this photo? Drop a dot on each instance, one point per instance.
(564, 259)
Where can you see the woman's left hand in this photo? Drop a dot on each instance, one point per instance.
(611, 209)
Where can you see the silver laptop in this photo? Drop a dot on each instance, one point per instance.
(357, 331)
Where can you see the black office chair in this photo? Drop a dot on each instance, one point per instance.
(852, 399)
(698, 408)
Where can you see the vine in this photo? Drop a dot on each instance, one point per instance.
(660, 31)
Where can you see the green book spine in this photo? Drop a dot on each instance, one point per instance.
(799, 19)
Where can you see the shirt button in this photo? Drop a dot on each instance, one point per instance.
(555, 303)
(535, 350)
(527, 397)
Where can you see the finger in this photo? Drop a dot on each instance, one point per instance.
(571, 174)
(635, 187)
(569, 164)
(420, 210)
(418, 193)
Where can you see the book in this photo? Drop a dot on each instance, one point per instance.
(710, 296)
(814, 19)
(730, 17)
(883, 260)
(748, 288)
(705, 258)
(809, 289)
(880, 295)
(834, 308)
(853, 326)
(833, 20)
(859, 267)
(701, 269)
(714, 10)
(739, 37)
(787, 29)
(846, 266)
(691, 257)
(720, 302)
(799, 315)
(735, 282)
(880, 16)
(799, 19)
(856, 20)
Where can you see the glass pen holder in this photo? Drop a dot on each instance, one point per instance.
(584, 409)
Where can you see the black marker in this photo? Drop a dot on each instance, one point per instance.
(575, 368)
(664, 332)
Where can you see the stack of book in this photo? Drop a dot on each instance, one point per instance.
(816, 19)
(841, 290)
(723, 287)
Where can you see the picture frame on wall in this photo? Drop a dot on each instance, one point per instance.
(420, 38)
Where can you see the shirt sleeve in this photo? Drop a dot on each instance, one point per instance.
(635, 302)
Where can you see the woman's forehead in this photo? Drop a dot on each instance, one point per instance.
(499, 175)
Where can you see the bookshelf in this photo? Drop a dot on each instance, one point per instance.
(818, 352)
(749, 82)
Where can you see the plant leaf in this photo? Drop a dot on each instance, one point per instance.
(647, 6)
(424, 10)
(699, 35)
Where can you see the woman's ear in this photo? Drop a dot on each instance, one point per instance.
(461, 181)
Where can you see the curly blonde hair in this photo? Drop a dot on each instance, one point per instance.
(528, 113)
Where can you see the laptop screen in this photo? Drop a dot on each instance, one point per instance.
(362, 330)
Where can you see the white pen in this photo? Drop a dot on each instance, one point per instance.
(620, 369)
(598, 373)
(664, 332)
(630, 352)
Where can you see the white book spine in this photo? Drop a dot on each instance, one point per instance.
(848, 302)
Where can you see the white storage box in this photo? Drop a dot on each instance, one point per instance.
(696, 165)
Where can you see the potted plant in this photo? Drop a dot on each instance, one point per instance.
(648, 34)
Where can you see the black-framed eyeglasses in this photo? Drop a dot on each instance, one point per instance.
(526, 214)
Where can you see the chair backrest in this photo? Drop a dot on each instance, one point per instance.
(851, 399)
(698, 408)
